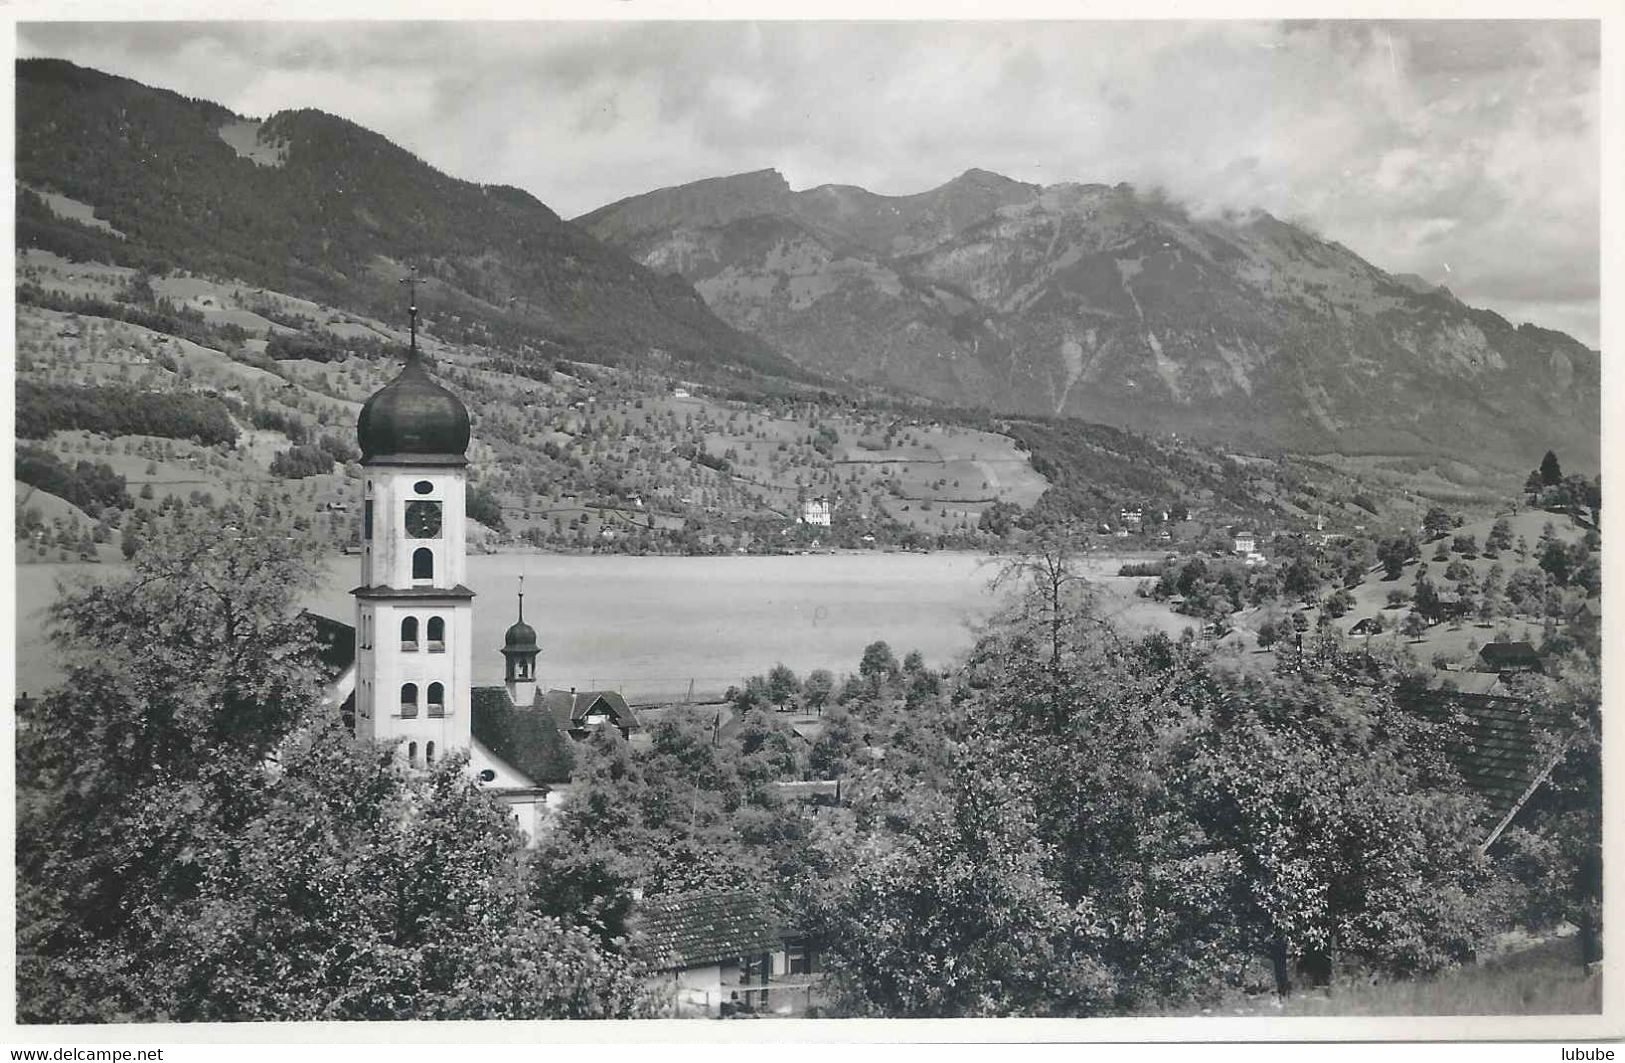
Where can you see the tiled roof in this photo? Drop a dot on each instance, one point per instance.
(1466, 682)
(1509, 655)
(528, 738)
(1491, 740)
(569, 707)
(698, 929)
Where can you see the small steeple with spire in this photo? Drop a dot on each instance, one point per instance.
(519, 650)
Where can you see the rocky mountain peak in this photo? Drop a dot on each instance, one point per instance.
(1118, 305)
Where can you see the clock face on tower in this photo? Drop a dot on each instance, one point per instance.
(423, 519)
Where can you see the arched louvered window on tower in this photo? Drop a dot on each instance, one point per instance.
(437, 634)
(409, 700)
(437, 699)
(409, 634)
(412, 753)
(428, 754)
(423, 563)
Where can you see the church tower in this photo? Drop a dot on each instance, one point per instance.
(414, 615)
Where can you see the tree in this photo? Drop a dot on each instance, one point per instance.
(818, 688)
(1394, 553)
(1551, 473)
(484, 506)
(1051, 587)
(835, 752)
(782, 685)
(878, 663)
(1555, 848)
(1272, 627)
(954, 917)
(1436, 522)
(1414, 625)
(1555, 558)
(1349, 836)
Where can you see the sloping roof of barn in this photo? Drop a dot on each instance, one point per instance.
(688, 930)
(1491, 740)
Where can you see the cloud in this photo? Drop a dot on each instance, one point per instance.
(1467, 152)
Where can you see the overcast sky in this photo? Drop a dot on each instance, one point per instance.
(1466, 152)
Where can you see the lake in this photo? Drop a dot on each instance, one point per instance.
(648, 626)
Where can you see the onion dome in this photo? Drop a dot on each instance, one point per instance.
(414, 420)
(521, 638)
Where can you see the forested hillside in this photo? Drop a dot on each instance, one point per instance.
(331, 211)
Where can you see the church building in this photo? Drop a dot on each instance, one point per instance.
(412, 679)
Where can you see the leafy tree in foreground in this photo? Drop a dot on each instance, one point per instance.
(954, 917)
(199, 838)
(1353, 839)
(1159, 831)
(1555, 848)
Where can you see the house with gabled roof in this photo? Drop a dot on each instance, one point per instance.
(720, 952)
(1509, 657)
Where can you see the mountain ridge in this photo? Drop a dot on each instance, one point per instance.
(1098, 301)
(330, 210)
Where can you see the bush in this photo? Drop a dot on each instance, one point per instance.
(302, 461)
(121, 411)
(483, 505)
(289, 424)
(88, 486)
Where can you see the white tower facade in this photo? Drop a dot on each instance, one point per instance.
(414, 612)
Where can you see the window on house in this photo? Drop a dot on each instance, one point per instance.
(437, 634)
(796, 959)
(412, 753)
(437, 699)
(428, 753)
(423, 563)
(409, 700)
(409, 634)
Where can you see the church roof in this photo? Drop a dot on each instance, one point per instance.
(688, 930)
(335, 642)
(529, 739)
(413, 420)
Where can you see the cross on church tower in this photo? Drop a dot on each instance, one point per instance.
(411, 281)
